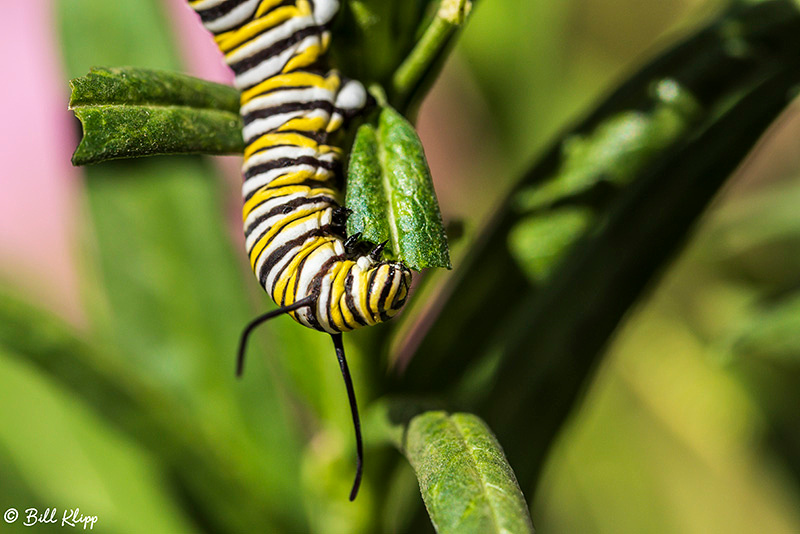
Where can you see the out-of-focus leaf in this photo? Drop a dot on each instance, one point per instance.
(15, 491)
(708, 63)
(74, 443)
(328, 466)
(401, 500)
(617, 148)
(538, 242)
(391, 195)
(755, 240)
(131, 112)
(772, 332)
(465, 480)
(567, 326)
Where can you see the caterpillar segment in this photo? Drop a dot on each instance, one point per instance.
(292, 109)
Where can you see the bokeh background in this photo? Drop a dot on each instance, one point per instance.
(689, 423)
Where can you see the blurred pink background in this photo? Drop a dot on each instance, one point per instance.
(38, 202)
(40, 189)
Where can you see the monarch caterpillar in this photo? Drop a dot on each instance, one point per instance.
(293, 223)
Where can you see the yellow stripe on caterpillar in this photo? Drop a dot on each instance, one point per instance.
(265, 6)
(292, 79)
(305, 124)
(337, 293)
(284, 288)
(266, 193)
(278, 139)
(243, 36)
(306, 58)
(292, 220)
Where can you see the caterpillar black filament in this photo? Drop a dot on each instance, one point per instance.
(293, 223)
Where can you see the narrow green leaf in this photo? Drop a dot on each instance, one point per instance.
(465, 480)
(391, 194)
(131, 112)
(570, 322)
(134, 85)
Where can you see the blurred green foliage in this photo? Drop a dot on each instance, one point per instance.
(689, 425)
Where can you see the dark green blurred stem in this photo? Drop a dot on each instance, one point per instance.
(415, 75)
(470, 310)
(546, 339)
(546, 365)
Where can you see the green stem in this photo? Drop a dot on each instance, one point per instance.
(450, 16)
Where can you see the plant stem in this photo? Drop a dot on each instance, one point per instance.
(450, 16)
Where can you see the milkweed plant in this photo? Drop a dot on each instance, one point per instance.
(464, 394)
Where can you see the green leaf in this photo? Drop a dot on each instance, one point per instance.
(618, 147)
(131, 112)
(705, 63)
(134, 85)
(465, 480)
(391, 195)
(64, 386)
